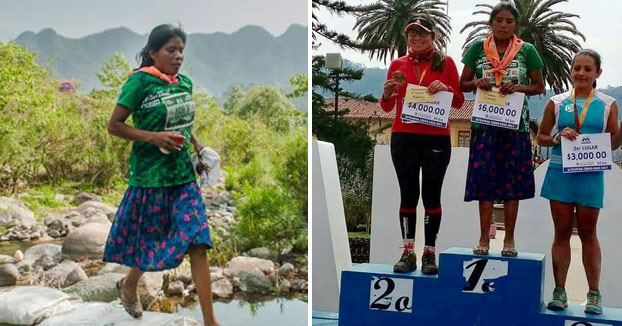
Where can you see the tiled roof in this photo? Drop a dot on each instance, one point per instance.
(360, 109)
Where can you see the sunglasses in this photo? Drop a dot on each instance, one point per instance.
(418, 32)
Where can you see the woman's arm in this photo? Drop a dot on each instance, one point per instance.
(168, 140)
(548, 121)
(196, 143)
(612, 127)
(388, 99)
(468, 84)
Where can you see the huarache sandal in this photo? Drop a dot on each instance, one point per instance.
(134, 308)
(481, 250)
(509, 252)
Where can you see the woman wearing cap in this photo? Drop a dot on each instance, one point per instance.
(161, 216)
(500, 166)
(419, 147)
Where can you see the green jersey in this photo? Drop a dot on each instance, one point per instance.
(526, 61)
(157, 106)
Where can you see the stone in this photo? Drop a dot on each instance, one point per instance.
(101, 288)
(216, 273)
(84, 197)
(45, 254)
(175, 288)
(299, 285)
(113, 268)
(253, 283)
(284, 286)
(6, 259)
(149, 287)
(8, 275)
(65, 274)
(287, 270)
(13, 213)
(263, 253)
(184, 276)
(222, 288)
(18, 256)
(86, 242)
(250, 265)
(106, 209)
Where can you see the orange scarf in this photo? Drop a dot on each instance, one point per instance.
(153, 71)
(490, 49)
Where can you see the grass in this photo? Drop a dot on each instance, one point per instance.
(359, 235)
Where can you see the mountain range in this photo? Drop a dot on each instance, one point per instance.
(215, 61)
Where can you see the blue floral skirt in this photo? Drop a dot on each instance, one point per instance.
(500, 166)
(154, 227)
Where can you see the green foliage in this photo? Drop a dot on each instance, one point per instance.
(58, 142)
(356, 190)
(301, 85)
(114, 72)
(234, 98)
(269, 106)
(267, 217)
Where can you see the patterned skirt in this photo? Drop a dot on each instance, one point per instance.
(154, 227)
(500, 166)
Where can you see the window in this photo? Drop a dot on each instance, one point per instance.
(464, 138)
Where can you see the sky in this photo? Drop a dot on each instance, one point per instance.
(78, 18)
(600, 23)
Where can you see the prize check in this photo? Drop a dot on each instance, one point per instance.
(589, 152)
(488, 109)
(420, 107)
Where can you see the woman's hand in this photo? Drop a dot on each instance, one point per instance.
(507, 88)
(437, 86)
(483, 83)
(168, 140)
(390, 88)
(569, 133)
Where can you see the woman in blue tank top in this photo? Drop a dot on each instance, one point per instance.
(583, 110)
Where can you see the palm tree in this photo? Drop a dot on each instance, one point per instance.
(384, 26)
(543, 27)
(339, 8)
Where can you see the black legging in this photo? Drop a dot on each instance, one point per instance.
(430, 154)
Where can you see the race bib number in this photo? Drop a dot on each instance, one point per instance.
(179, 111)
(504, 116)
(433, 111)
(589, 152)
(391, 294)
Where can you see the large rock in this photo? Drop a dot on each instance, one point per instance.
(250, 265)
(65, 274)
(106, 209)
(263, 253)
(84, 197)
(5, 259)
(149, 287)
(86, 242)
(222, 288)
(108, 314)
(287, 270)
(97, 288)
(253, 283)
(14, 213)
(29, 305)
(8, 275)
(175, 288)
(113, 268)
(45, 254)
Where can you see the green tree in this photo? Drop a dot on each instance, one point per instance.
(385, 26)
(114, 71)
(269, 106)
(552, 33)
(300, 83)
(338, 8)
(234, 98)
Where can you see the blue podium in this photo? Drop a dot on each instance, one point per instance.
(469, 290)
